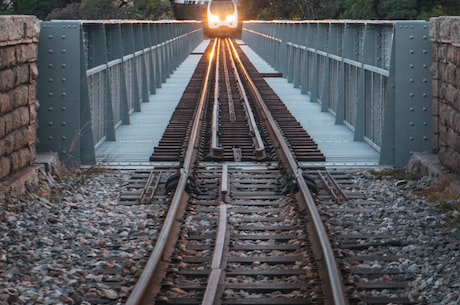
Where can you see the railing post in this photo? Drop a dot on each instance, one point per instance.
(115, 53)
(413, 95)
(150, 58)
(141, 61)
(64, 115)
(103, 119)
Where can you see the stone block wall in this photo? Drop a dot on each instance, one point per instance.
(18, 102)
(445, 35)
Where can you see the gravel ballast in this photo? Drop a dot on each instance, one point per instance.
(71, 242)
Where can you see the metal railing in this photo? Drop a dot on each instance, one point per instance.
(374, 76)
(93, 74)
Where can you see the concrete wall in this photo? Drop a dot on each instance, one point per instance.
(18, 102)
(445, 35)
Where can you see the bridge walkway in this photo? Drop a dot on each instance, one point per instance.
(135, 142)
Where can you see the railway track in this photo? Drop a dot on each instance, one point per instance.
(253, 250)
(233, 127)
(242, 225)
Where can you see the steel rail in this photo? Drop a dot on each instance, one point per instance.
(217, 275)
(231, 105)
(334, 278)
(254, 130)
(216, 150)
(334, 189)
(152, 267)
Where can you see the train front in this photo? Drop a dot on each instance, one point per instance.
(222, 18)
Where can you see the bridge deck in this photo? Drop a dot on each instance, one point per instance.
(135, 142)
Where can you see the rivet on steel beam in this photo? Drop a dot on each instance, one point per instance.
(411, 123)
(50, 123)
(424, 51)
(64, 108)
(64, 138)
(411, 66)
(411, 109)
(63, 94)
(50, 66)
(50, 80)
(425, 66)
(411, 138)
(425, 138)
(425, 124)
(50, 51)
(411, 80)
(63, 66)
(50, 108)
(424, 80)
(64, 51)
(411, 52)
(411, 94)
(63, 36)
(50, 138)
(64, 79)
(424, 109)
(425, 95)
(411, 37)
(50, 36)
(64, 123)
(50, 93)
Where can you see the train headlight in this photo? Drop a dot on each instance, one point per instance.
(230, 19)
(213, 19)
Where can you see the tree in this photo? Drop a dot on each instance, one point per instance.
(250, 9)
(148, 9)
(39, 8)
(99, 9)
(397, 9)
(318, 9)
(359, 9)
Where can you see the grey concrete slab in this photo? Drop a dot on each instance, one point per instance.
(135, 142)
(335, 141)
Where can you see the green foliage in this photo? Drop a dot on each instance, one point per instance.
(39, 8)
(250, 9)
(89, 9)
(359, 9)
(397, 9)
(349, 9)
(149, 9)
(99, 9)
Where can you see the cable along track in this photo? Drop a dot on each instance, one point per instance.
(244, 232)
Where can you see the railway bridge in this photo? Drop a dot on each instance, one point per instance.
(371, 78)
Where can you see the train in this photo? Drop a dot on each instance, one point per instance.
(222, 18)
(219, 17)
